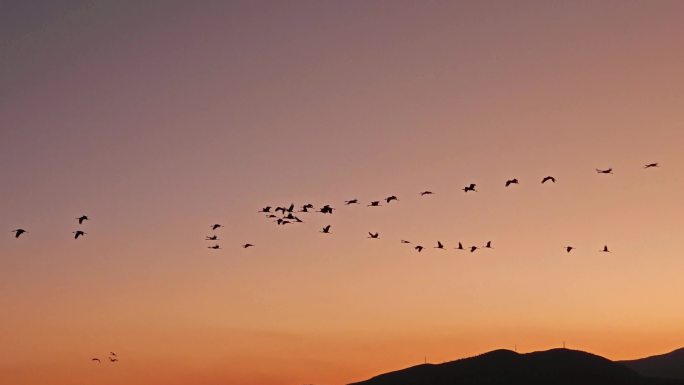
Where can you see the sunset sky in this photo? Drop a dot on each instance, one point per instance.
(160, 118)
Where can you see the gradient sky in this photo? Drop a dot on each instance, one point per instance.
(159, 119)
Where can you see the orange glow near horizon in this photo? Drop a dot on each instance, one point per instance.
(159, 120)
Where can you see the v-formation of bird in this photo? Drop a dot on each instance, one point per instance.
(289, 218)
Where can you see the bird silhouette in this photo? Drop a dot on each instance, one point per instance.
(212, 238)
(652, 165)
(306, 208)
(473, 248)
(271, 216)
(18, 232)
(282, 222)
(419, 248)
(290, 208)
(605, 249)
(81, 219)
(280, 209)
(96, 360)
(326, 209)
(511, 181)
(246, 245)
(266, 209)
(569, 249)
(78, 233)
(488, 245)
(548, 178)
(470, 187)
(113, 359)
(216, 226)
(439, 245)
(112, 354)
(424, 193)
(460, 246)
(391, 198)
(405, 241)
(215, 247)
(351, 202)
(373, 235)
(326, 230)
(606, 171)
(374, 204)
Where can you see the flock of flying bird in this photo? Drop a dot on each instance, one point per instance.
(215, 237)
(112, 358)
(287, 215)
(77, 234)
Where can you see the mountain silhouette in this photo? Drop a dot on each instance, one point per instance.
(670, 365)
(505, 367)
